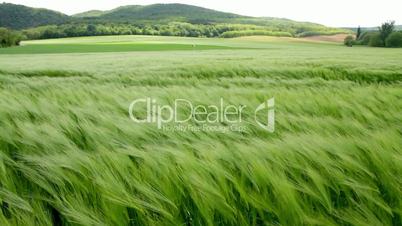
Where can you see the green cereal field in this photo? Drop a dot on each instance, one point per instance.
(71, 153)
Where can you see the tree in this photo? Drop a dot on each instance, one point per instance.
(376, 40)
(366, 36)
(358, 33)
(349, 40)
(91, 29)
(385, 30)
(394, 40)
(9, 38)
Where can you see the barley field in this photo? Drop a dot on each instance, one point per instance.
(71, 155)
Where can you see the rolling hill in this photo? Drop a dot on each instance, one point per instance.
(20, 17)
(91, 13)
(167, 13)
(155, 19)
(162, 13)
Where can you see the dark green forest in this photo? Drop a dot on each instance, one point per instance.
(20, 17)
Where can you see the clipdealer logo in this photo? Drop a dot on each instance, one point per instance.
(269, 125)
(184, 112)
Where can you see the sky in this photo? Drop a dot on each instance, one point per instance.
(339, 13)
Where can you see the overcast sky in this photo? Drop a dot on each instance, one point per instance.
(335, 13)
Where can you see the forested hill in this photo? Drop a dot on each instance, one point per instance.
(19, 16)
(162, 13)
(156, 19)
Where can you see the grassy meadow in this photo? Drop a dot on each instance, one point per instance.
(70, 154)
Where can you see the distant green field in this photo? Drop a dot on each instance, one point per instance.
(103, 47)
(71, 155)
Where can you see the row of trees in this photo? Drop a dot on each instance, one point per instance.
(170, 29)
(386, 36)
(76, 30)
(9, 38)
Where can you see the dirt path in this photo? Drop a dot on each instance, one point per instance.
(327, 38)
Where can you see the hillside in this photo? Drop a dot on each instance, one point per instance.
(162, 13)
(91, 13)
(19, 16)
(156, 19)
(184, 13)
(168, 13)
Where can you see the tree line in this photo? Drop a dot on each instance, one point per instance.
(386, 36)
(171, 29)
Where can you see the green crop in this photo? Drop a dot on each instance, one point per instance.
(70, 154)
